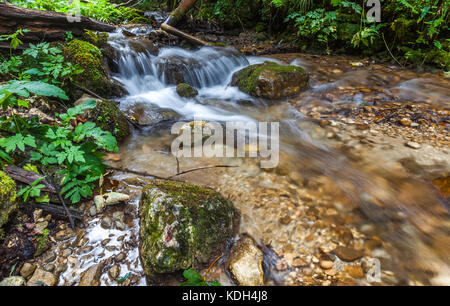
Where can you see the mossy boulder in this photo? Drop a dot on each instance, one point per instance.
(89, 57)
(107, 116)
(98, 39)
(182, 224)
(186, 91)
(270, 80)
(7, 199)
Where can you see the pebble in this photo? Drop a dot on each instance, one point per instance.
(106, 222)
(405, 121)
(326, 264)
(114, 272)
(413, 145)
(348, 254)
(27, 269)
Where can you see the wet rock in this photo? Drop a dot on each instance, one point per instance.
(106, 222)
(107, 116)
(413, 145)
(120, 257)
(61, 268)
(49, 267)
(182, 224)
(348, 254)
(27, 269)
(115, 198)
(143, 46)
(64, 234)
(186, 91)
(354, 271)
(49, 256)
(246, 263)
(93, 210)
(114, 272)
(42, 278)
(405, 121)
(119, 220)
(7, 199)
(271, 80)
(91, 277)
(13, 281)
(326, 264)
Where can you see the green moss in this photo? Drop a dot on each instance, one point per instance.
(98, 39)
(186, 90)
(182, 224)
(247, 78)
(7, 198)
(140, 20)
(88, 57)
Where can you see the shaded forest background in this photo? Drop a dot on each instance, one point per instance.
(415, 32)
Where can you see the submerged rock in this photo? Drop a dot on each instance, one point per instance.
(107, 116)
(270, 80)
(13, 281)
(186, 91)
(182, 224)
(7, 199)
(245, 263)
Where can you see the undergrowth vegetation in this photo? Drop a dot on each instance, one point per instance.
(412, 31)
(74, 148)
(102, 10)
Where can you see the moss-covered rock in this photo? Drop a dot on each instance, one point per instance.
(89, 57)
(7, 199)
(186, 91)
(107, 116)
(182, 224)
(270, 80)
(98, 39)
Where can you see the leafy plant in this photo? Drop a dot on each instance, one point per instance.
(33, 190)
(193, 278)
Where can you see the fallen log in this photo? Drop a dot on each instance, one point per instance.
(45, 25)
(175, 16)
(58, 211)
(28, 177)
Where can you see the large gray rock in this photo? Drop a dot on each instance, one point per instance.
(270, 80)
(182, 224)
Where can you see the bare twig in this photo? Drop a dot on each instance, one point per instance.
(385, 43)
(201, 168)
(143, 173)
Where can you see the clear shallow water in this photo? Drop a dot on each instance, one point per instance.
(414, 226)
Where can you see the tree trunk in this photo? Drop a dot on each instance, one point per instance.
(45, 25)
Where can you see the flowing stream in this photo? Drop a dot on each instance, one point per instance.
(280, 207)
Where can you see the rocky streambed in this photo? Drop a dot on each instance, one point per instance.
(360, 195)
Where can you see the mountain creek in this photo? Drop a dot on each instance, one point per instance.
(360, 195)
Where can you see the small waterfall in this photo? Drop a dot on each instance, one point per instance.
(143, 71)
